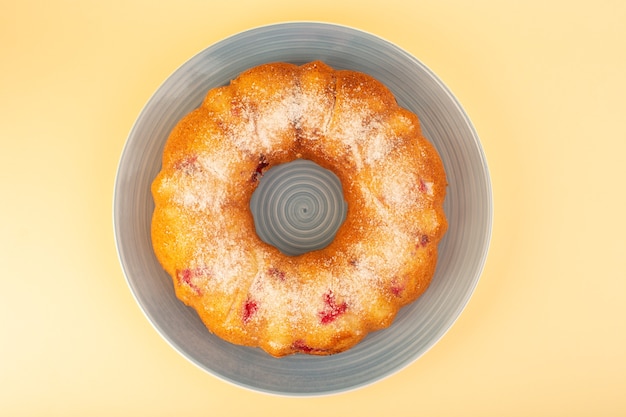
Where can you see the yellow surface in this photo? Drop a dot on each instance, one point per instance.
(544, 83)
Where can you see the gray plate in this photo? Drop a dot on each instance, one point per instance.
(462, 251)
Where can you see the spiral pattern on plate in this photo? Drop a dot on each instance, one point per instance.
(298, 207)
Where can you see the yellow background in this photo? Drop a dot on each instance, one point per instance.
(544, 84)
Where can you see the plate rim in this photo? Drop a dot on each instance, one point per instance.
(485, 170)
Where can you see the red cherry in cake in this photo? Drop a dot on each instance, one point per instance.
(397, 287)
(332, 309)
(300, 346)
(258, 172)
(188, 165)
(188, 277)
(250, 307)
(423, 241)
(422, 186)
(277, 273)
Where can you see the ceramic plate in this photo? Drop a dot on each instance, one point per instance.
(462, 251)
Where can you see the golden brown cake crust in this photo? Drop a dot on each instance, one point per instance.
(321, 302)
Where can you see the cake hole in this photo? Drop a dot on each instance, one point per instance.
(298, 207)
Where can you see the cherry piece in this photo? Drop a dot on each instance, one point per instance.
(249, 308)
(186, 276)
(397, 287)
(275, 272)
(301, 346)
(331, 310)
(258, 172)
(422, 186)
(189, 165)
